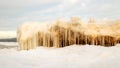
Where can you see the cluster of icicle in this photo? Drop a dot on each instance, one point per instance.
(65, 33)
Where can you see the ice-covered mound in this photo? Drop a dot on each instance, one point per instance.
(74, 56)
(64, 33)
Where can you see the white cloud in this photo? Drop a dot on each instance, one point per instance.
(18, 11)
(83, 4)
(13, 4)
(69, 2)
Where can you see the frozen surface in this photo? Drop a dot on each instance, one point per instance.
(74, 56)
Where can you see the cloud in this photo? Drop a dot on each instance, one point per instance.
(15, 12)
(15, 4)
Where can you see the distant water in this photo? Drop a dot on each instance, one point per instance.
(8, 43)
(8, 40)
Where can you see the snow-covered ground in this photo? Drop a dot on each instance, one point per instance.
(74, 56)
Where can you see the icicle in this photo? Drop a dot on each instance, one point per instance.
(52, 40)
(29, 43)
(96, 40)
(21, 46)
(37, 40)
(44, 39)
(48, 39)
(77, 38)
(63, 38)
(33, 41)
(74, 37)
(25, 46)
(103, 41)
(108, 41)
(60, 41)
(56, 42)
(115, 41)
(100, 38)
(66, 37)
(28, 46)
(80, 38)
(41, 39)
(93, 41)
(85, 39)
(69, 36)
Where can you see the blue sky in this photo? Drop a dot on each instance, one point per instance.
(15, 12)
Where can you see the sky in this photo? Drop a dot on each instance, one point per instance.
(15, 12)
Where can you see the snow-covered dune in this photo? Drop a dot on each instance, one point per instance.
(74, 56)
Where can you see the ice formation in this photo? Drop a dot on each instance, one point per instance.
(65, 33)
